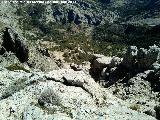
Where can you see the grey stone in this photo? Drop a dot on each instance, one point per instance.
(61, 100)
(155, 66)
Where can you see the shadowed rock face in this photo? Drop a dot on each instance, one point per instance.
(14, 43)
(8, 41)
(135, 79)
(135, 61)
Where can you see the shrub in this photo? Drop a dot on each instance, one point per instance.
(116, 91)
(49, 96)
(135, 107)
(17, 67)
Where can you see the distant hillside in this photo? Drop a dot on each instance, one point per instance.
(103, 23)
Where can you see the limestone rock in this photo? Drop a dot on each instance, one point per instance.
(155, 66)
(100, 64)
(115, 62)
(32, 96)
(76, 67)
(141, 58)
(38, 61)
(147, 57)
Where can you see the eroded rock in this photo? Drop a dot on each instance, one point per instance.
(50, 99)
(100, 64)
(141, 58)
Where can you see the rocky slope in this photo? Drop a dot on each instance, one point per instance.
(71, 91)
(59, 94)
(135, 78)
(37, 83)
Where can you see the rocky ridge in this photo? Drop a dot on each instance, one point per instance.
(135, 78)
(59, 94)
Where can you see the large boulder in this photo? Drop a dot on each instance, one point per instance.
(100, 64)
(102, 61)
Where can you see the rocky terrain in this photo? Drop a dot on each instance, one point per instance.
(65, 93)
(128, 89)
(91, 60)
(60, 94)
(134, 78)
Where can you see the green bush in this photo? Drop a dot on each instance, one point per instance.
(49, 96)
(16, 67)
(135, 107)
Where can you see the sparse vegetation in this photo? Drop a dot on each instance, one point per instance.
(16, 67)
(48, 96)
(80, 47)
(69, 37)
(14, 87)
(135, 107)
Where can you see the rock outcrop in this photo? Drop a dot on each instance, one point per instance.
(134, 79)
(13, 42)
(101, 63)
(59, 94)
(141, 59)
(135, 60)
(14, 50)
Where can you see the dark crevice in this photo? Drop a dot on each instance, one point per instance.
(14, 43)
(75, 85)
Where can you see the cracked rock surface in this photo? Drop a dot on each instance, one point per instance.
(64, 96)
